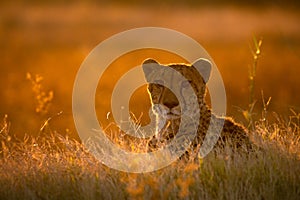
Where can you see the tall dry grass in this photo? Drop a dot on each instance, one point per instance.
(52, 166)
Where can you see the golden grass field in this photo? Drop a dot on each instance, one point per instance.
(52, 40)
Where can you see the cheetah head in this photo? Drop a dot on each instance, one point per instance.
(164, 101)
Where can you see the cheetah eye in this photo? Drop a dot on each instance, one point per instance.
(154, 88)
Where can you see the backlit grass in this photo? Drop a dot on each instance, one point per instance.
(53, 166)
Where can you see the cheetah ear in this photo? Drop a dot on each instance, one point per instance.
(204, 67)
(148, 66)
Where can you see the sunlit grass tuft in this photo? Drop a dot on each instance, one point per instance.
(256, 55)
(42, 98)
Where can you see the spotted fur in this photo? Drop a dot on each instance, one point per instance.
(168, 109)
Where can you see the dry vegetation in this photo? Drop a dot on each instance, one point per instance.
(55, 167)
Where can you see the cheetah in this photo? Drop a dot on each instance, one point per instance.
(168, 109)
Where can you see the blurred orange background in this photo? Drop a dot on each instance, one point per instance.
(52, 39)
